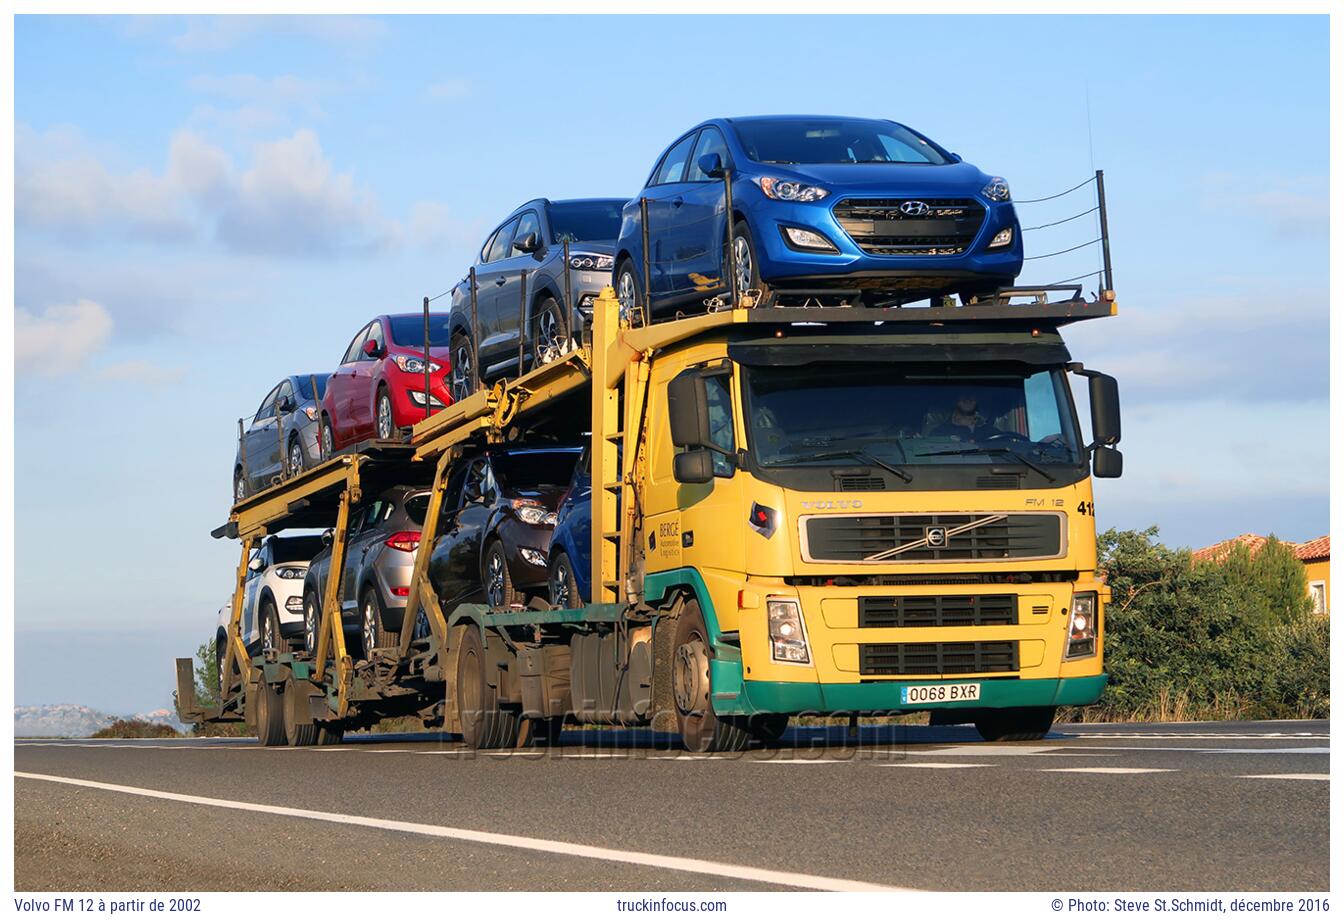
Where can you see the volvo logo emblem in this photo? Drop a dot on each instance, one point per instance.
(914, 208)
(935, 537)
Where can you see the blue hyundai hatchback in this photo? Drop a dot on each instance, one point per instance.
(824, 207)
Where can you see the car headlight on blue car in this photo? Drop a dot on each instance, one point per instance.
(413, 365)
(591, 262)
(789, 190)
(997, 190)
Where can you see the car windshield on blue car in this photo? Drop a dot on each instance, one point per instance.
(834, 140)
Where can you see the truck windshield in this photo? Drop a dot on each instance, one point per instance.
(586, 221)
(910, 416)
(834, 140)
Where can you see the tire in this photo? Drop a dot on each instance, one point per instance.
(495, 578)
(385, 421)
(312, 623)
(629, 291)
(297, 734)
(372, 633)
(270, 715)
(329, 733)
(239, 485)
(563, 587)
(462, 380)
(1026, 723)
(326, 440)
(221, 646)
(768, 729)
(270, 629)
(542, 732)
(294, 459)
(549, 341)
(744, 261)
(485, 725)
(701, 730)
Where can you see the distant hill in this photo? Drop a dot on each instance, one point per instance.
(68, 720)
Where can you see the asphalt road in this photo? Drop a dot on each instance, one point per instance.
(1190, 807)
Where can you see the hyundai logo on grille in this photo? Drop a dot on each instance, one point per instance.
(935, 536)
(914, 208)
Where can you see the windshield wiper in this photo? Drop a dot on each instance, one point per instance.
(967, 451)
(848, 455)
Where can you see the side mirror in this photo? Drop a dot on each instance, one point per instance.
(693, 467)
(528, 243)
(1104, 394)
(371, 349)
(956, 157)
(286, 404)
(255, 564)
(711, 164)
(688, 411)
(327, 536)
(472, 492)
(1107, 463)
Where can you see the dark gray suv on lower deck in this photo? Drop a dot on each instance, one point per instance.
(516, 310)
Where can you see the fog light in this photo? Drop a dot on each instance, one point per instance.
(294, 604)
(418, 397)
(788, 638)
(799, 238)
(1082, 627)
(1003, 238)
(532, 556)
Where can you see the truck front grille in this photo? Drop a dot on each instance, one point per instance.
(895, 658)
(845, 538)
(880, 227)
(951, 610)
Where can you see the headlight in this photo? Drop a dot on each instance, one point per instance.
(1003, 238)
(788, 639)
(1082, 626)
(788, 190)
(591, 262)
(997, 190)
(532, 556)
(530, 512)
(412, 365)
(807, 239)
(291, 571)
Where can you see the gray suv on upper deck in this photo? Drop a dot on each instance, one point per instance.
(514, 309)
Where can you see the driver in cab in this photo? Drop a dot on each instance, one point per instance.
(965, 423)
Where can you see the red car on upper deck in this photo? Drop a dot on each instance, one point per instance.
(379, 389)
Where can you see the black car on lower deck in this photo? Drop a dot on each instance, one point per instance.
(499, 510)
(522, 314)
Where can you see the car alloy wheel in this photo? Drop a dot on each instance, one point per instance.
(370, 625)
(268, 639)
(295, 458)
(560, 583)
(312, 622)
(239, 487)
(549, 341)
(385, 428)
(627, 292)
(494, 580)
(328, 441)
(742, 263)
(461, 372)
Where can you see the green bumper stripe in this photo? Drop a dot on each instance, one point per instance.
(885, 696)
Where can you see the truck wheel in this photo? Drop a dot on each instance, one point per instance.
(542, 732)
(484, 724)
(701, 730)
(329, 733)
(1026, 723)
(461, 376)
(768, 729)
(563, 586)
(270, 715)
(297, 734)
(499, 590)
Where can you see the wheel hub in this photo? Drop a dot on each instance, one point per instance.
(690, 683)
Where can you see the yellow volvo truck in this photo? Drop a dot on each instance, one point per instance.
(796, 511)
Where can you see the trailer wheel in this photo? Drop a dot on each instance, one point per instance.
(1026, 723)
(329, 733)
(485, 724)
(297, 734)
(270, 715)
(701, 729)
(542, 732)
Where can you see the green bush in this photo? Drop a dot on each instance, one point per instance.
(136, 728)
(1224, 639)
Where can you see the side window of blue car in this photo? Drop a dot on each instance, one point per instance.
(711, 141)
(673, 166)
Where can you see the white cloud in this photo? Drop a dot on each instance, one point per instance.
(1294, 207)
(144, 373)
(449, 90)
(221, 33)
(288, 201)
(248, 87)
(61, 338)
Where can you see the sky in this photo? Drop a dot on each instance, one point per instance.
(206, 204)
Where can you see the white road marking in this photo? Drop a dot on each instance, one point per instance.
(938, 766)
(1106, 770)
(1001, 750)
(1199, 735)
(798, 760)
(535, 844)
(1197, 750)
(1324, 776)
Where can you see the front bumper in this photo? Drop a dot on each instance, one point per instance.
(762, 696)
